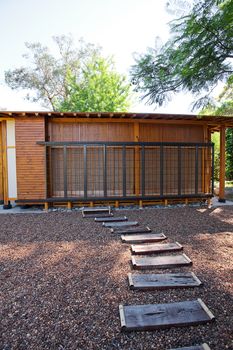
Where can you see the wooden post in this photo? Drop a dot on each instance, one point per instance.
(46, 206)
(136, 161)
(140, 204)
(91, 204)
(4, 165)
(204, 175)
(222, 164)
(116, 204)
(165, 202)
(69, 205)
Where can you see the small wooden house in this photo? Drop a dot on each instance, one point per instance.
(53, 157)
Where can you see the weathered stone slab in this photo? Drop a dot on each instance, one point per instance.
(155, 248)
(120, 224)
(131, 230)
(195, 347)
(160, 262)
(163, 281)
(156, 316)
(95, 210)
(111, 219)
(147, 238)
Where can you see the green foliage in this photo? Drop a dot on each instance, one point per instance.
(195, 58)
(216, 140)
(77, 79)
(101, 89)
(223, 106)
(229, 154)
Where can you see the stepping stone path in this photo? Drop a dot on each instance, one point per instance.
(131, 230)
(155, 248)
(147, 238)
(111, 219)
(163, 281)
(120, 224)
(160, 262)
(154, 316)
(96, 211)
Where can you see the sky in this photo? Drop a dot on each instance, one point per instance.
(120, 27)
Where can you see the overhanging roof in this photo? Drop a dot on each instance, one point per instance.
(213, 121)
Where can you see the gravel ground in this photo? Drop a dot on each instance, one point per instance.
(62, 278)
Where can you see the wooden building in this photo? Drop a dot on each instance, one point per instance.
(52, 157)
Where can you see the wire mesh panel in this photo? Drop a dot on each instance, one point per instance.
(95, 171)
(75, 172)
(114, 171)
(130, 170)
(170, 170)
(57, 172)
(152, 170)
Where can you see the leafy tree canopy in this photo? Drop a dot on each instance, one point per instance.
(57, 81)
(100, 89)
(198, 55)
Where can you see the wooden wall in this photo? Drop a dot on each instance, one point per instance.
(1, 165)
(71, 131)
(122, 132)
(30, 158)
(171, 133)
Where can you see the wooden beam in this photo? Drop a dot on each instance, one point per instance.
(129, 120)
(222, 171)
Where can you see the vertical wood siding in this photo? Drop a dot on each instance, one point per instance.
(30, 158)
(1, 165)
(95, 131)
(171, 133)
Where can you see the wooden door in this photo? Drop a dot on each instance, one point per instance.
(1, 166)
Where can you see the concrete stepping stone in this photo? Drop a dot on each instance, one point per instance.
(96, 210)
(157, 316)
(111, 219)
(87, 216)
(120, 224)
(155, 248)
(195, 347)
(163, 281)
(160, 262)
(147, 238)
(131, 230)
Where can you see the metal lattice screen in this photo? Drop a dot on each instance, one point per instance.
(129, 170)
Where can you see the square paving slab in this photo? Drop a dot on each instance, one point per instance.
(163, 281)
(147, 238)
(160, 262)
(131, 230)
(195, 347)
(156, 316)
(155, 248)
(111, 219)
(120, 224)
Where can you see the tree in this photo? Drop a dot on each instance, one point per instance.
(195, 59)
(100, 89)
(56, 81)
(223, 106)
